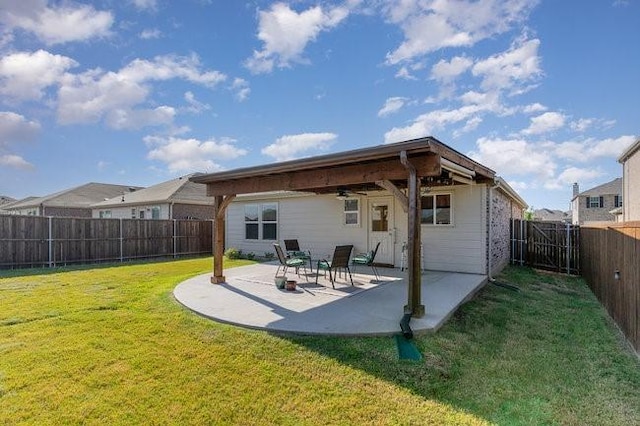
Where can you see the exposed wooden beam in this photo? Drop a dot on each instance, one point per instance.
(399, 195)
(387, 169)
(414, 297)
(220, 206)
(223, 206)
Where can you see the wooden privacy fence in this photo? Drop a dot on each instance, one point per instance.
(611, 266)
(553, 246)
(33, 241)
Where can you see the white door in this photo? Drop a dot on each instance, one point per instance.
(382, 228)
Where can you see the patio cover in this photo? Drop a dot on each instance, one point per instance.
(400, 168)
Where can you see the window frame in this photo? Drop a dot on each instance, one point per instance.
(356, 212)
(261, 222)
(434, 196)
(590, 202)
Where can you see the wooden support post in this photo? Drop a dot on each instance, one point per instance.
(414, 303)
(220, 206)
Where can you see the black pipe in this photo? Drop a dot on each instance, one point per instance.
(404, 326)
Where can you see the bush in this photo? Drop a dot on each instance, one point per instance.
(251, 256)
(232, 253)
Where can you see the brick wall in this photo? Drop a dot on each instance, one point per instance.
(503, 210)
(596, 214)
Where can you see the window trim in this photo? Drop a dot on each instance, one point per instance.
(451, 209)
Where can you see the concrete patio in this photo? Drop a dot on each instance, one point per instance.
(249, 298)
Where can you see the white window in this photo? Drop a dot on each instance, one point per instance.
(155, 212)
(352, 212)
(436, 209)
(133, 213)
(105, 214)
(261, 221)
(141, 214)
(594, 202)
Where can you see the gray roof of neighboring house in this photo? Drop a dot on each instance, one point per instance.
(610, 188)
(179, 190)
(629, 151)
(82, 196)
(551, 215)
(6, 200)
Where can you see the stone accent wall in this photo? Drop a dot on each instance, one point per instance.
(191, 211)
(503, 210)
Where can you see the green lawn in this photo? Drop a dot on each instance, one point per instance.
(111, 346)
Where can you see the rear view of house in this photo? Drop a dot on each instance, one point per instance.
(630, 160)
(597, 204)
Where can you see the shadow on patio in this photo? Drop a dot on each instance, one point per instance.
(249, 298)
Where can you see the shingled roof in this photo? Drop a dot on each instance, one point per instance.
(610, 188)
(82, 196)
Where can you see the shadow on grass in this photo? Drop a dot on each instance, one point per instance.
(511, 357)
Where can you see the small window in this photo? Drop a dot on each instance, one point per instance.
(261, 221)
(352, 212)
(436, 209)
(155, 212)
(105, 214)
(141, 214)
(133, 213)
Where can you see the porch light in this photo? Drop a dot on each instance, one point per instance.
(616, 275)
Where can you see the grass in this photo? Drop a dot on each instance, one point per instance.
(110, 345)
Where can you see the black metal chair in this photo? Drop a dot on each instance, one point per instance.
(367, 259)
(293, 251)
(288, 263)
(340, 260)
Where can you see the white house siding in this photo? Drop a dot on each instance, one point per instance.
(460, 247)
(631, 188)
(125, 211)
(315, 221)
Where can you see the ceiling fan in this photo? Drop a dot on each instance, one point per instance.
(344, 193)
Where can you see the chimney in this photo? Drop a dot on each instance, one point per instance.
(576, 189)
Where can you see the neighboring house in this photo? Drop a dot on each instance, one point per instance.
(465, 212)
(548, 215)
(6, 200)
(630, 160)
(174, 199)
(596, 204)
(74, 202)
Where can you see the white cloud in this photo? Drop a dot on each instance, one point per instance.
(432, 25)
(16, 128)
(575, 174)
(404, 73)
(545, 123)
(591, 149)
(195, 106)
(121, 119)
(149, 5)
(534, 108)
(392, 105)
(285, 34)
(25, 75)
(241, 88)
(15, 161)
(582, 124)
(447, 71)
(512, 69)
(59, 23)
(92, 95)
(289, 147)
(150, 33)
(515, 157)
(185, 155)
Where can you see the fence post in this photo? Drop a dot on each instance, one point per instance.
(121, 243)
(175, 239)
(568, 250)
(50, 241)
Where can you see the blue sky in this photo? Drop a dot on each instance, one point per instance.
(141, 91)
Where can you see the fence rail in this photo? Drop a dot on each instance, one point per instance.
(34, 241)
(553, 246)
(611, 267)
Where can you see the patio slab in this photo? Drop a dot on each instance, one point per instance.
(250, 299)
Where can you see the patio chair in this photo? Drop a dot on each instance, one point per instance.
(367, 259)
(293, 251)
(340, 260)
(288, 263)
